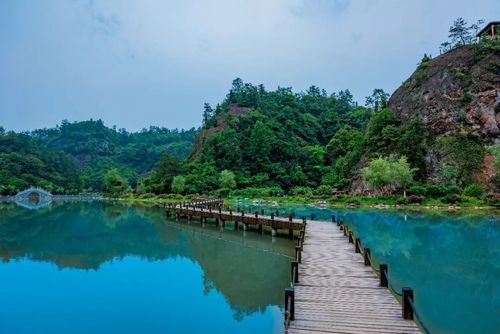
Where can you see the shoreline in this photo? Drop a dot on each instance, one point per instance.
(326, 203)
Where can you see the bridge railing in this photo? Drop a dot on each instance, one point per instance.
(294, 273)
(408, 310)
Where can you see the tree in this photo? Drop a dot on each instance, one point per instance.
(114, 183)
(378, 100)
(388, 174)
(178, 184)
(461, 34)
(227, 179)
(208, 113)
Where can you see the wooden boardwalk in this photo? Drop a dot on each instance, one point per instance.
(247, 219)
(338, 293)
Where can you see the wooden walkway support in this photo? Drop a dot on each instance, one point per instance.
(335, 290)
(246, 219)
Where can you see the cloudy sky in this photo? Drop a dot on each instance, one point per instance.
(155, 62)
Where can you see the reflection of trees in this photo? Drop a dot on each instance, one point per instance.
(240, 273)
(248, 272)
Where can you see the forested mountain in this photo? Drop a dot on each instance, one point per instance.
(74, 157)
(438, 133)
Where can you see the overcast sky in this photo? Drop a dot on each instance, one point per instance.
(155, 62)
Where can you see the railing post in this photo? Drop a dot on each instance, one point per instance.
(295, 267)
(290, 218)
(272, 216)
(358, 242)
(298, 254)
(290, 307)
(346, 228)
(256, 214)
(333, 218)
(351, 240)
(407, 308)
(383, 275)
(367, 256)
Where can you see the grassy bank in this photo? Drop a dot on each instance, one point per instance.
(379, 201)
(446, 202)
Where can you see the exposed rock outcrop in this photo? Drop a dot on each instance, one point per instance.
(459, 90)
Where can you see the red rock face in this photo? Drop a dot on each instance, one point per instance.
(459, 90)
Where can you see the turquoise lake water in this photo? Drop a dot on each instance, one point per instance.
(450, 259)
(113, 268)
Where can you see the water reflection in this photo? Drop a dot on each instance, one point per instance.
(249, 272)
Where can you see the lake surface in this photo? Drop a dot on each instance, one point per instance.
(104, 267)
(450, 259)
(112, 268)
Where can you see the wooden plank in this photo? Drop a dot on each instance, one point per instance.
(338, 293)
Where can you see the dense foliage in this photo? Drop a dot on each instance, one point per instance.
(310, 143)
(75, 157)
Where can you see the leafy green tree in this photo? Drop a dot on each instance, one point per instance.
(208, 113)
(388, 174)
(383, 132)
(378, 100)
(227, 179)
(448, 172)
(178, 184)
(115, 184)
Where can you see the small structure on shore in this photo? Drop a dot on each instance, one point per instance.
(492, 29)
(33, 198)
(34, 193)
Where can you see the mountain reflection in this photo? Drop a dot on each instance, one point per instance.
(251, 272)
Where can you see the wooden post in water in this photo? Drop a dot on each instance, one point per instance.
(345, 230)
(351, 240)
(367, 256)
(358, 242)
(407, 309)
(295, 272)
(383, 275)
(290, 218)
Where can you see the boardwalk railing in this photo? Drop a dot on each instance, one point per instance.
(408, 309)
(290, 292)
(213, 209)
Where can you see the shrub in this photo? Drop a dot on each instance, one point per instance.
(300, 191)
(418, 190)
(416, 199)
(474, 190)
(493, 199)
(451, 199)
(439, 190)
(258, 192)
(323, 190)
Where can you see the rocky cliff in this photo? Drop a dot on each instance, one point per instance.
(455, 92)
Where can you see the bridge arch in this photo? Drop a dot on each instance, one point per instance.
(40, 192)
